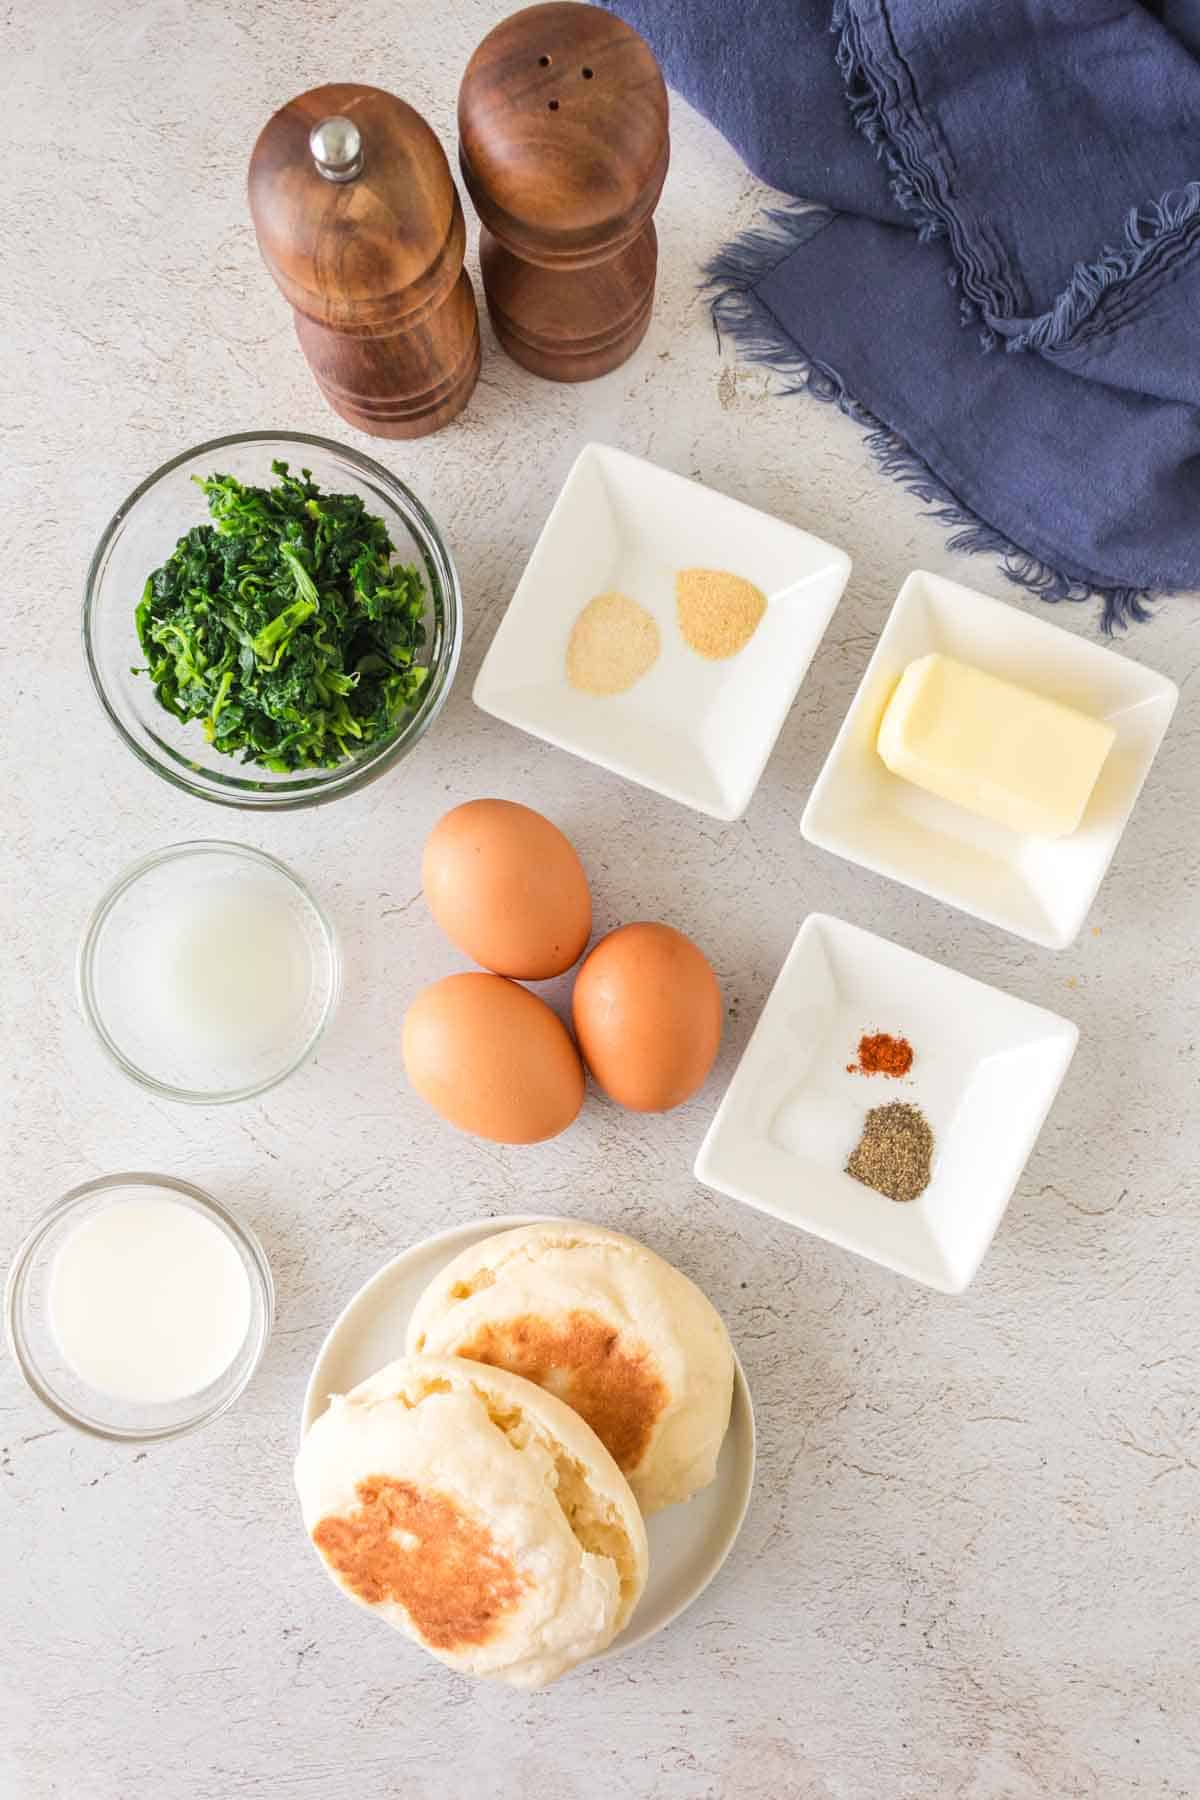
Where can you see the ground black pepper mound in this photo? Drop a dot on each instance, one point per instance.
(895, 1153)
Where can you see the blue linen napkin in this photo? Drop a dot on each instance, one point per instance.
(1001, 278)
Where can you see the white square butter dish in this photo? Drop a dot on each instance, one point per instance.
(698, 731)
(986, 1068)
(1038, 888)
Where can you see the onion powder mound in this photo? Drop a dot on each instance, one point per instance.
(718, 612)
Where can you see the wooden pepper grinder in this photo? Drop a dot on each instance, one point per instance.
(362, 229)
(563, 142)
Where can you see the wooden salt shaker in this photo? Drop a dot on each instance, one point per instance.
(563, 142)
(362, 229)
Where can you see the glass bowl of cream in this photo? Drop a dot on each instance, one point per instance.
(208, 971)
(138, 1307)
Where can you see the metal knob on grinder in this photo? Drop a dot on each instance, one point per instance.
(336, 147)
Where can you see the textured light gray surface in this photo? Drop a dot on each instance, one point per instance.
(970, 1567)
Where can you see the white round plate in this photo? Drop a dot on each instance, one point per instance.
(688, 1543)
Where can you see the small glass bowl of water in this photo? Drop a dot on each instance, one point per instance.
(138, 1307)
(208, 972)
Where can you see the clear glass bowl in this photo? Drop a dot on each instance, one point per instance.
(160, 932)
(141, 536)
(35, 1347)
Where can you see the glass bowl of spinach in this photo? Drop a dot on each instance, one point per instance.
(272, 620)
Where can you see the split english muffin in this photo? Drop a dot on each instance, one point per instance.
(606, 1325)
(476, 1513)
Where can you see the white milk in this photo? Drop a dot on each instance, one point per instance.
(149, 1299)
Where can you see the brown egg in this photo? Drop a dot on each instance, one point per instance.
(647, 1013)
(506, 887)
(492, 1059)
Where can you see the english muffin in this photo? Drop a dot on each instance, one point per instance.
(476, 1513)
(602, 1322)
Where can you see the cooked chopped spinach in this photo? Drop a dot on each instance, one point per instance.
(284, 626)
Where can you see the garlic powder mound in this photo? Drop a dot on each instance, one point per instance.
(613, 643)
(718, 612)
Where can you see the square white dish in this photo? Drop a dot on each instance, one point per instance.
(986, 1068)
(1038, 888)
(697, 731)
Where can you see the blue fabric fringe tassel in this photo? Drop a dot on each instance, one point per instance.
(1154, 237)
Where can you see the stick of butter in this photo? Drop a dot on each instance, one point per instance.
(995, 748)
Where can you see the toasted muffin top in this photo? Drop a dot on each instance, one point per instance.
(600, 1321)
